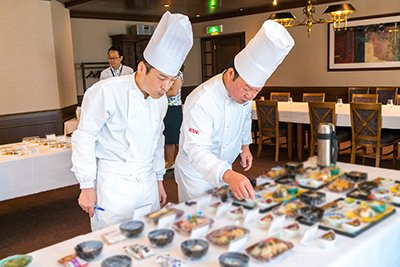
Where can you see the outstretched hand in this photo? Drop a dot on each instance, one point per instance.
(239, 185)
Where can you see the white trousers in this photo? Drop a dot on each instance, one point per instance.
(119, 193)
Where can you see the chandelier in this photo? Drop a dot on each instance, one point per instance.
(338, 13)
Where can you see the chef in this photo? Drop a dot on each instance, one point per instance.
(115, 57)
(118, 148)
(216, 124)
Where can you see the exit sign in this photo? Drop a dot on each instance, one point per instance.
(212, 30)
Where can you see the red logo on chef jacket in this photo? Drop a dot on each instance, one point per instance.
(194, 131)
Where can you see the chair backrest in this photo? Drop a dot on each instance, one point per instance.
(321, 112)
(366, 123)
(267, 116)
(313, 97)
(365, 98)
(280, 96)
(356, 90)
(397, 102)
(386, 93)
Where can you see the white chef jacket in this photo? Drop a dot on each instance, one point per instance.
(123, 131)
(121, 71)
(213, 130)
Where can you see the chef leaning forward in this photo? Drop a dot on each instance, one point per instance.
(216, 124)
(117, 150)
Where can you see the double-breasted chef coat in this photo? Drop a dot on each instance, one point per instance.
(118, 148)
(214, 128)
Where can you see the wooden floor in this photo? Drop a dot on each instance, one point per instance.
(37, 221)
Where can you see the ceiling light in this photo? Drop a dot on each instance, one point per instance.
(339, 15)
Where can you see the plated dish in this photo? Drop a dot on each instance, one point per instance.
(153, 217)
(268, 249)
(223, 236)
(186, 226)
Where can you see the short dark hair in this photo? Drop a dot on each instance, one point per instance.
(148, 66)
(113, 48)
(231, 64)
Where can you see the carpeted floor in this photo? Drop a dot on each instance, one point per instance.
(40, 220)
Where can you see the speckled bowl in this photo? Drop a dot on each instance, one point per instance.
(194, 248)
(161, 237)
(234, 259)
(89, 250)
(131, 228)
(117, 261)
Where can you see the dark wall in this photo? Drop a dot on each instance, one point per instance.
(14, 127)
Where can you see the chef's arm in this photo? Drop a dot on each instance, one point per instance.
(94, 115)
(158, 160)
(176, 86)
(245, 155)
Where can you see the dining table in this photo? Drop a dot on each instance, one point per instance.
(297, 113)
(378, 246)
(34, 170)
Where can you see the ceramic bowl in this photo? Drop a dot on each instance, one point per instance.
(89, 250)
(194, 248)
(161, 237)
(264, 203)
(396, 198)
(378, 206)
(236, 213)
(265, 221)
(131, 228)
(16, 261)
(234, 259)
(117, 261)
(302, 179)
(326, 242)
(352, 225)
(292, 230)
(335, 219)
(380, 193)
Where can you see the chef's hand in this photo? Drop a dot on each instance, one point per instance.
(162, 194)
(239, 185)
(87, 199)
(246, 158)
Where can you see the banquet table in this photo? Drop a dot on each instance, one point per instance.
(377, 246)
(297, 112)
(22, 175)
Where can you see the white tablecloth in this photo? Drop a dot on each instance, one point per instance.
(377, 246)
(297, 112)
(30, 174)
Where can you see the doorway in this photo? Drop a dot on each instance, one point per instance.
(218, 51)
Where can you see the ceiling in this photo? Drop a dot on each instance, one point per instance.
(197, 10)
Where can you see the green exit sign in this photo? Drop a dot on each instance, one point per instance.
(212, 30)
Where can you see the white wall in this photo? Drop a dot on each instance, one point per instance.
(30, 70)
(306, 65)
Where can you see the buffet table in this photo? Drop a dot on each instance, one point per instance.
(22, 175)
(377, 246)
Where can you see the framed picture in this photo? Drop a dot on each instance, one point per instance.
(367, 44)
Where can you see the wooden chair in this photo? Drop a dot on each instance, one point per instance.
(397, 102)
(314, 97)
(280, 96)
(366, 124)
(386, 93)
(364, 98)
(268, 124)
(356, 90)
(320, 112)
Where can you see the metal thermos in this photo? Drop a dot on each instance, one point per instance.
(327, 145)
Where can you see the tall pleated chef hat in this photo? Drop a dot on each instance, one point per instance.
(170, 43)
(263, 54)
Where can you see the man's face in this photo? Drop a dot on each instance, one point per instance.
(155, 83)
(238, 90)
(114, 59)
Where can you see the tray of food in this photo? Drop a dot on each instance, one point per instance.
(357, 177)
(10, 151)
(153, 217)
(186, 226)
(290, 209)
(223, 236)
(341, 184)
(317, 178)
(351, 218)
(269, 249)
(276, 172)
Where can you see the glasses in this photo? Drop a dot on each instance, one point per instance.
(113, 58)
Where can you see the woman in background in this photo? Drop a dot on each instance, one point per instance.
(173, 121)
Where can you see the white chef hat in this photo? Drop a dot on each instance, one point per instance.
(263, 54)
(170, 43)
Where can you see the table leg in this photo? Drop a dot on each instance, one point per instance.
(290, 141)
(299, 142)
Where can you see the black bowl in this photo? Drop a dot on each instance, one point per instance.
(89, 250)
(194, 248)
(234, 259)
(131, 228)
(117, 261)
(311, 214)
(161, 237)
